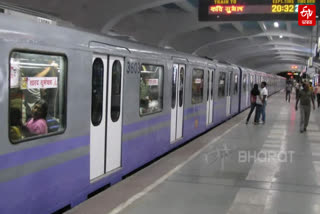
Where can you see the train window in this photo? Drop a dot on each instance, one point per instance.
(208, 82)
(181, 87)
(197, 86)
(212, 81)
(222, 82)
(235, 90)
(97, 91)
(244, 83)
(36, 95)
(174, 88)
(151, 89)
(116, 91)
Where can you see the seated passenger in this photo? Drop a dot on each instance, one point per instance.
(144, 95)
(37, 125)
(15, 124)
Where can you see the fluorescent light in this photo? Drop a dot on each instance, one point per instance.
(276, 24)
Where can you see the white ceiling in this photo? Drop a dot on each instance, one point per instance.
(174, 24)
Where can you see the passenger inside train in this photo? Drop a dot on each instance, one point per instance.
(36, 94)
(37, 125)
(151, 95)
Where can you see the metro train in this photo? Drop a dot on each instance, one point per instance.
(81, 111)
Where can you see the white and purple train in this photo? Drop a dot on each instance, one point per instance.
(81, 111)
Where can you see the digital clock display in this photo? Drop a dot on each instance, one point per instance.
(286, 8)
(255, 10)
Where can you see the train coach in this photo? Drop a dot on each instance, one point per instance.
(81, 111)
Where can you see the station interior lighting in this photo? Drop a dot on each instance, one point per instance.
(276, 24)
(281, 36)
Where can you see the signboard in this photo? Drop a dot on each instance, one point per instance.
(197, 81)
(153, 82)
(44, 20)
(38, 82)
(14, 76)
(257, 10)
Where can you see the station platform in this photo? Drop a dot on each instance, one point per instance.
(234, 168)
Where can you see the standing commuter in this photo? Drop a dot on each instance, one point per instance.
(317, 93)
(298, 88)
(264, 98)
(288, 91)
(258, 109)
(305, 97)
(253, 98)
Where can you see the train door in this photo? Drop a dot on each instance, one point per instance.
(177, 102)
(210, 97)
(106, 115)
(229, 85)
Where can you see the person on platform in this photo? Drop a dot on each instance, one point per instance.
(317, 93)
(264, 97)
(288, 91)
(298, 87)
(253, 98)
(305, 98)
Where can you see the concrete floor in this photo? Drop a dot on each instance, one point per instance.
(269, 169)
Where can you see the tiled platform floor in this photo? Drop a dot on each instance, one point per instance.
(267, 169)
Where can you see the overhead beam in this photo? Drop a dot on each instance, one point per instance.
(120, 11)
(269, 33)
(238, 26)
(264, 29)
(216, 27)
(186, 6)
(244, 48)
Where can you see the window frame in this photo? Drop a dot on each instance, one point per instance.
(121, 91)
(163, 73)
(174, 75)
(64, 99)
(212, 84)
(244, 82)
(181, 100)
(92, 76)
(225, 77)
(203, 79)
(236, 89)
(208, 84)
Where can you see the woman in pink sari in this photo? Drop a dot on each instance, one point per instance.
(37, 125)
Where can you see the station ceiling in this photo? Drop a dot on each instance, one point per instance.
(174, 24)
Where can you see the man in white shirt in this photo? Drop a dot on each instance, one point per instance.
(264, 94)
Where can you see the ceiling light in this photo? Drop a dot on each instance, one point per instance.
(281, 36)
(276, 24)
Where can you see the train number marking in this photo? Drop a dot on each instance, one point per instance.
(133, 67)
